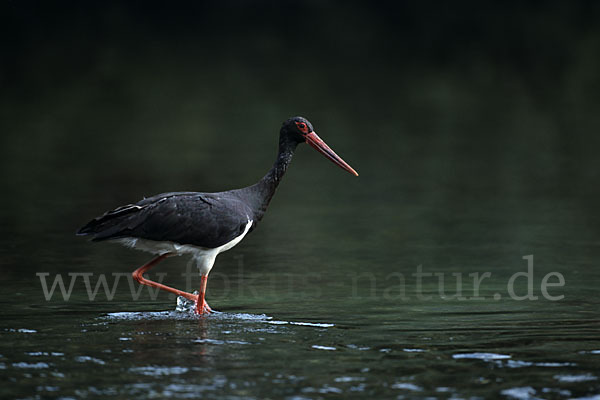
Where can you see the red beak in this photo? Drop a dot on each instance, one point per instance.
(316, 142)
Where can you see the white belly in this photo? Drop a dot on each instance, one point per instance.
(205, 257)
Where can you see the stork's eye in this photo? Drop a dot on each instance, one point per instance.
(302, 126)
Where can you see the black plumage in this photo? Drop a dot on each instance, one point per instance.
(206, 220)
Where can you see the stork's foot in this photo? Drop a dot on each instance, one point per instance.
(202, 308)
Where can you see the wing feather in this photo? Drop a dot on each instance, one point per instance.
(201, 219)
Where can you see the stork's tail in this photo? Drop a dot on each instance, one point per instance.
(110, 224)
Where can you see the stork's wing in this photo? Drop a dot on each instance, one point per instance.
(201, 219)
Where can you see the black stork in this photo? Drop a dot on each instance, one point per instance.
(202, 224)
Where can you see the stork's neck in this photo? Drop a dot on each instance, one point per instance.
(260, 194)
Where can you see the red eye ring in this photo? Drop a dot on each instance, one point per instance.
(302, 126)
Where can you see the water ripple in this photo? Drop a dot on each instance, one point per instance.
(315, 346)
(157, 370)
(481, 356)
(575, 378)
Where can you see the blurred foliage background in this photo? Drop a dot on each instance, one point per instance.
(473, 109)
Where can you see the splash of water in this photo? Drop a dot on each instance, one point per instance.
(185, 305)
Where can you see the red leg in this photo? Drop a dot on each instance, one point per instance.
(202, 306)
(138, 275)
